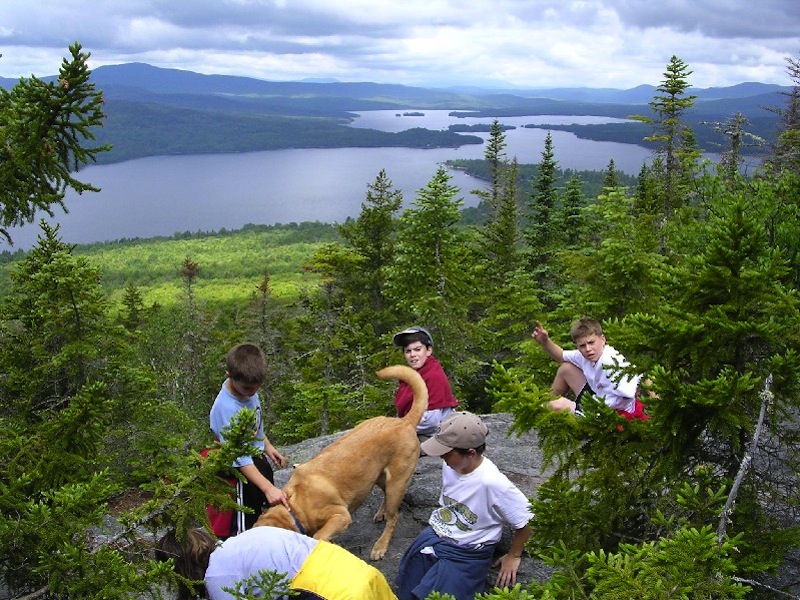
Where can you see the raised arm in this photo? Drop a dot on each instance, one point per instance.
(540, 335)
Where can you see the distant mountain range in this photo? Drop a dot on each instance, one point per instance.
(152, 110)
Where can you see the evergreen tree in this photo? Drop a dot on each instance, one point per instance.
(133, 307)
(676, 152)
(786, 152)
(332, 386)
(611, 176)
(427, 280)
(45, 126)
(720, 335)
(713, 338)
(495, 157)
(571, 218)
(618, 276)
(499, 238)
(81, 422)
(336, 387)
(506, 291)
(539, 232)
(432, 280)
(646, 197)
(778, 199)
(56, 315)
(372, 236)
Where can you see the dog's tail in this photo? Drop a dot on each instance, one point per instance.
(418, 388)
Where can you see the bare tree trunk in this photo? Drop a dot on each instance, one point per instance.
(766, 398)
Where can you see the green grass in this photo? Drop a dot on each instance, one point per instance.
(231, 263)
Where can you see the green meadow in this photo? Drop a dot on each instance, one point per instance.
(232, 264)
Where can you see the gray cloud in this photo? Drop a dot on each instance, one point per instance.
(601, 43)
(766, 19)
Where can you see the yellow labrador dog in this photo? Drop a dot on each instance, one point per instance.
(381, 451)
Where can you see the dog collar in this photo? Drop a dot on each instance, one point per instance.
(297, 524)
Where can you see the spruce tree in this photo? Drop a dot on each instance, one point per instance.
(618, 276)
(332, 385)
(571, 220)
(82, 422)
(495, 157)
(45, 130)
(720, 335)
(539, 231)
(427, 280)
(499, 238)
(785, 155)
(676, 151)
(372, 236)
(335, 387)
(611, 176)
(506, 290)
(432, 280)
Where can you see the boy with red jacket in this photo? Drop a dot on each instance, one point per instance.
(417, 345)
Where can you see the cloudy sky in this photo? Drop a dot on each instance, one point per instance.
(520, 43)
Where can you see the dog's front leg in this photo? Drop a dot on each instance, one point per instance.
(382, 545)
(336, 524)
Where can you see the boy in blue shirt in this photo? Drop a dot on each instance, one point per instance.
(246, 370)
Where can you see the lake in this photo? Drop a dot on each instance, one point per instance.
(163, 195)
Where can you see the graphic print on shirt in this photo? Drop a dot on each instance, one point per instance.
(259, 423)
(453, 515)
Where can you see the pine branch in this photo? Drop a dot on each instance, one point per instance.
(37, 594)
(766, 398)
(145, 519)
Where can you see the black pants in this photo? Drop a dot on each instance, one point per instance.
(251, 496)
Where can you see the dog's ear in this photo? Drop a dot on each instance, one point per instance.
(276, 516)
(269, 517)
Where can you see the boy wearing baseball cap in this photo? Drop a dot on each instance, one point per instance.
(453, 554)
(417, 345)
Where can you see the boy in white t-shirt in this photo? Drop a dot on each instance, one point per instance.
(594, 368)
(453, 554)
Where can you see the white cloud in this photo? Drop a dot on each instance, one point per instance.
(542, 43)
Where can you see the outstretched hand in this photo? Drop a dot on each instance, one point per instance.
(539, 333)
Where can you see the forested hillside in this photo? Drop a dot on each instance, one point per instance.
(693, 272)
(154, 111)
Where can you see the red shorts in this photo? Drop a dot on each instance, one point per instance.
(638, 412)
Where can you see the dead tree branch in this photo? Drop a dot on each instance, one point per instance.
(766, 398)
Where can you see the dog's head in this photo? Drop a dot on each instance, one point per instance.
(277, 516)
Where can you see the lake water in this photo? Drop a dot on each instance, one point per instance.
(162, 195)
